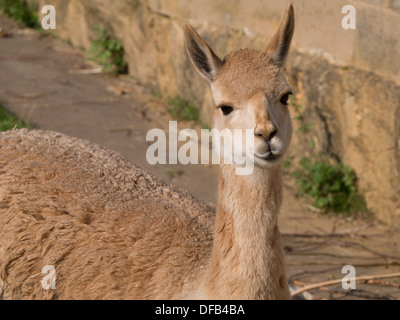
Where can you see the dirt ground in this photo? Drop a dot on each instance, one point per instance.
(44, 81)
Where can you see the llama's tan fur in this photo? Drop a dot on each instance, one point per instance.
(112, 231)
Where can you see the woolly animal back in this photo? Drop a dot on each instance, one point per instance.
(110, 229)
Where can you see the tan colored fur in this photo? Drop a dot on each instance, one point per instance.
(247, 259)
(112, 231)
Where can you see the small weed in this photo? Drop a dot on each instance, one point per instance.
(311, 144)
(22, 11)
(108, 52)
(287, 163)
(299, 116)
(332, 186)
(182, 109)
(157, 93)
(172, 173)
(8, 121)
(304, 128)
(205, 126)
(67, 42)
(296, 106)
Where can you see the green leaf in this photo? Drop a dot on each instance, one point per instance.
(107, 52)
(332, 186)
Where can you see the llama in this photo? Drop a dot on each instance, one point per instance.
(112, 231)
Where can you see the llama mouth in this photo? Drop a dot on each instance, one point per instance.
(269, 156)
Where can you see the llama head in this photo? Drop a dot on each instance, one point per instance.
(250, 90)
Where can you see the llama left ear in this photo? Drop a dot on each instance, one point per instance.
(203, 58)
(278, 47)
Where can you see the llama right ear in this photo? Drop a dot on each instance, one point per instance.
(278, 47)
(203, 58)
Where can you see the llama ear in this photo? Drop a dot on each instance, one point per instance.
(203, 58)
(278, 47)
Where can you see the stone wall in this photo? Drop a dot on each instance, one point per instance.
(346, 80)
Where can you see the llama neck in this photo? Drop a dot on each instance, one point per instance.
(247, 256)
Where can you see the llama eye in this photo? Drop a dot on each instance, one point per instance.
(226, 110)
(285, 99)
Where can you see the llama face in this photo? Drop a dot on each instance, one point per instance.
(250, 92)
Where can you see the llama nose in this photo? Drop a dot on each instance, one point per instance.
(271, 135)
(267, 135)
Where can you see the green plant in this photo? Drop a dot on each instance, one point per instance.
(22, 11)
(299, 116)
(294, 104)
(287, 163)
(172, 173)
(205, 126)
(304, 128)
(157, 93)
(332, 186)
(8, 121)
(108, 52)
(182, 109)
